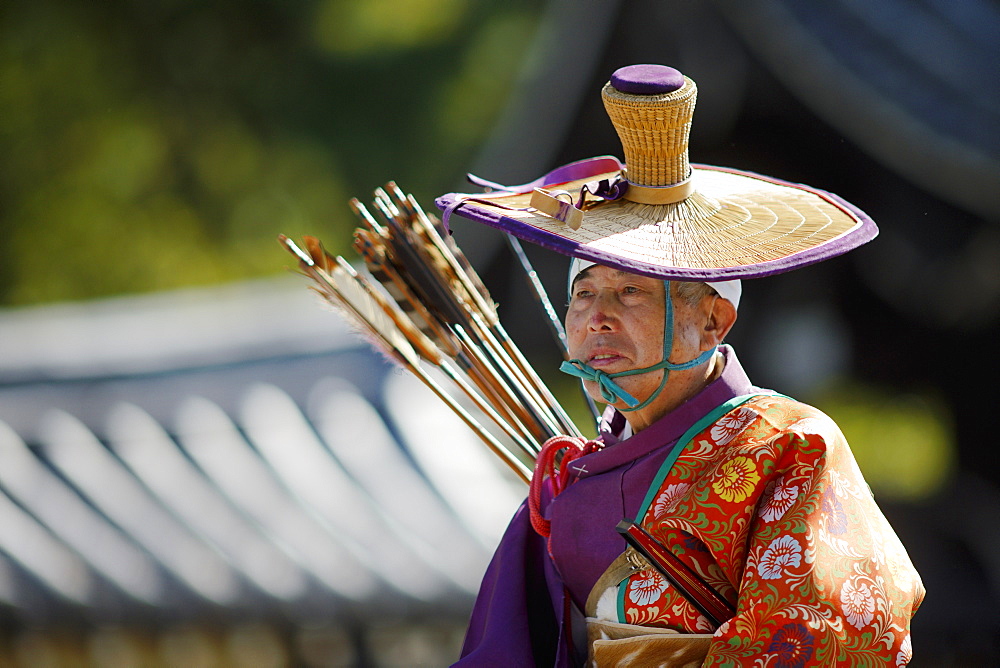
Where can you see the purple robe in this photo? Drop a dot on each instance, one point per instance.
(520, 615)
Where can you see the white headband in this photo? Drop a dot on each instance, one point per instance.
(730, 290)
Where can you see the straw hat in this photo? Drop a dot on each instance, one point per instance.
(659, 215)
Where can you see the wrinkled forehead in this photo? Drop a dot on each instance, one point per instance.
(731, 290)
(616, 273)
(578, 270)
(577, 267)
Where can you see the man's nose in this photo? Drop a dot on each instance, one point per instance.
(604, 313)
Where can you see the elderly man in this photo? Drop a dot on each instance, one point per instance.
(756, 496)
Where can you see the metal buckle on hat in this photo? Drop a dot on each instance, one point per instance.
(551, 204)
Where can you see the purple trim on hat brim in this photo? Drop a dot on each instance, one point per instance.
(574, 171)
(860, 235)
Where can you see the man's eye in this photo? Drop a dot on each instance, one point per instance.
(630, 289)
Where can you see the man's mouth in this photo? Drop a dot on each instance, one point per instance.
(601, 359)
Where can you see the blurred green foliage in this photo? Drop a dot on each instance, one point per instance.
(904, 442)
(157, 144)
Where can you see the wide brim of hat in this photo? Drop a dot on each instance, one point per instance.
(735, 224)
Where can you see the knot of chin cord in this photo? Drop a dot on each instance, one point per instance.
(610, 390)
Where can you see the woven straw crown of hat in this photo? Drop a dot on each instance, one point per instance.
(654, 130)
(676, 220)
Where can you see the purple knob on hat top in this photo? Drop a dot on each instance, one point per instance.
(647, 79)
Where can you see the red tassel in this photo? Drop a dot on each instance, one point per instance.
(545, 465)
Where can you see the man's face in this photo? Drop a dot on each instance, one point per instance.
(615, 323)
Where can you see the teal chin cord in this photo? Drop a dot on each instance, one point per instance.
(612, 391)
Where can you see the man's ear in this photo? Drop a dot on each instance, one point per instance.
(721, 318)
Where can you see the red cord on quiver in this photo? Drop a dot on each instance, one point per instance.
(545, 465)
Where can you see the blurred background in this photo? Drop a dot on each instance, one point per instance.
(202, 467)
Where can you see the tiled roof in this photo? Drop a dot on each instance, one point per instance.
(236, 450)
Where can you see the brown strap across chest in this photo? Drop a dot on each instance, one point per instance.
(627, 563)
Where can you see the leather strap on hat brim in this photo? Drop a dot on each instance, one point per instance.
(858, 230)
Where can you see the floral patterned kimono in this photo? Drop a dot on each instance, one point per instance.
(767, 504)
(760, 495)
